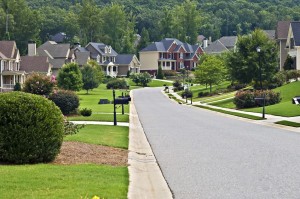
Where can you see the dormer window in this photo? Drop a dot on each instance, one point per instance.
(109, 49)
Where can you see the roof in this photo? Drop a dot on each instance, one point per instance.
(124, 59)
(34, 64)
(270, 33)
(100, 47)
(82, 57)
(215, 47)
(59, 37)
(165, 44)
(228, 41)
(57, 63)
(54, 49)
(200, 38)
(8, 49)
(282, 29)
(296, 32)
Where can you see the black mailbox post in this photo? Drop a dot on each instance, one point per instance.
(120, 100)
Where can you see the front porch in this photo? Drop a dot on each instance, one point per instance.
(8, 80)
(111, 70)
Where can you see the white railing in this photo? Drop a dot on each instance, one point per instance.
(8, 86)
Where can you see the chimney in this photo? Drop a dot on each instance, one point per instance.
(31, 48)
(209, 39)
(205, 43)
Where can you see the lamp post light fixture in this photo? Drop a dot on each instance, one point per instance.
(258, 50)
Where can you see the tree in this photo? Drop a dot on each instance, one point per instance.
(160, 74)
(70, 77)
(144, 39)
(246, 64)
(141, 78)
(212, 71)
(98, 69)
(89, 78)
(289, 63)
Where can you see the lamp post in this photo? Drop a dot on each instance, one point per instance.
(258, 49)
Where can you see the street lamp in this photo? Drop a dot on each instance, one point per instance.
(258, 49)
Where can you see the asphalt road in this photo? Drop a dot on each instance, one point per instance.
(203, 154)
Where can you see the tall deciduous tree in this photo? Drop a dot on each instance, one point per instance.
(70, 77)
(89, 78)
(212, 71)
(244, 64)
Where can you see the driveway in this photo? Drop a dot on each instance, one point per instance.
(203, 154)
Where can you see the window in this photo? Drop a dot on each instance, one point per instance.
(181, 65)
(181, 55)
(98, 58)
(109, 50)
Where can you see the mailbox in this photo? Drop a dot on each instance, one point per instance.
(296, 100)
(124, 100)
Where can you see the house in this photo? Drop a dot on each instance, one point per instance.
(59, 37)
(281, 38)
(112, 63)
(221, 45)
(36, 64)
(170, 54)
(270, 34)
(58, 54)
(10, 72)
(293, 42)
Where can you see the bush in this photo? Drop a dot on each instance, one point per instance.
(38, 84)
(67, 101)
(86, 112)
(293, 74)
(71, 128)
(246, 99)
(278, 80)
(176, 83)
(116, 83)
(186, 94)
(203, 94)
(31, 128)
(237, 86)
(141, 78)
(169, 73)
(17, 87)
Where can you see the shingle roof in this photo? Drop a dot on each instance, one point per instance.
(82, 57)
(228, 41)
(34, 64)
(282, 29)
(296, 32)
(55, 50)
(100, 47)
(270, 33)
(8, 49)
(57, 63)
(58, 37)
(124, 59)
(215, 47)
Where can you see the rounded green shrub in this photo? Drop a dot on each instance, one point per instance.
(115, 83)
(86, 112)
(31, 128)
(66, 100)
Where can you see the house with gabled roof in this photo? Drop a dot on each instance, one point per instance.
(113, 64)
(224, 44)
(58, 54)
(36, 64)
(281, 38)
(293, 42)
(170, 54)
(10, 72)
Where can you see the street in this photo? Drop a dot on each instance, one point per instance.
(203, 154)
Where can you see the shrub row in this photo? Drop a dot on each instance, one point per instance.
(246, 99)
(115, 83)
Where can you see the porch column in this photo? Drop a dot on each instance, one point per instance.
(107, 70)
(117, 68)
(298, 59)
(14, 81)
(1, 81)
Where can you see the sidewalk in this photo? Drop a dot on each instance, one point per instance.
(101, 123)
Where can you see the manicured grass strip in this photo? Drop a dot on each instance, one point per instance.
(153, 83)
(68, 182)
(252, 117)
(114, 136)
(228, 103)
(288, 123)
(101, 117)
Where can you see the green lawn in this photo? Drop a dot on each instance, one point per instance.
(285, 107)
(288, 123)
(114, 136)
(252, 117)
(101, 117)
(57, 181)
(200, 88)
(228, 103)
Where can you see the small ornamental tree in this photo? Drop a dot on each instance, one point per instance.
(31, 128)
(70, 77)
(160, 74)
(89, 78)
(145, 79)
(38, 84)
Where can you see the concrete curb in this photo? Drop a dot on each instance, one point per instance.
(145, 178)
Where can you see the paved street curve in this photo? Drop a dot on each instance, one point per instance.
(203, 154)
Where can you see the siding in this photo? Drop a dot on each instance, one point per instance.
(149, 60)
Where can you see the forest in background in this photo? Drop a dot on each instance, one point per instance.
(115, 22)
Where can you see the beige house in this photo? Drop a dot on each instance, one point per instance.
(10, 72)
(281, 38)
(293, 43)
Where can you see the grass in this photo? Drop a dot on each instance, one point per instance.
(200, 88)
(252, 117)
(56, 181)
(228, 103)
(114, 136)
(288, 123)
(101, 117)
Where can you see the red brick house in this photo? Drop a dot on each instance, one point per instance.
(170, 54)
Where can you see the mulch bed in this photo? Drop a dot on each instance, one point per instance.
(82, 153)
